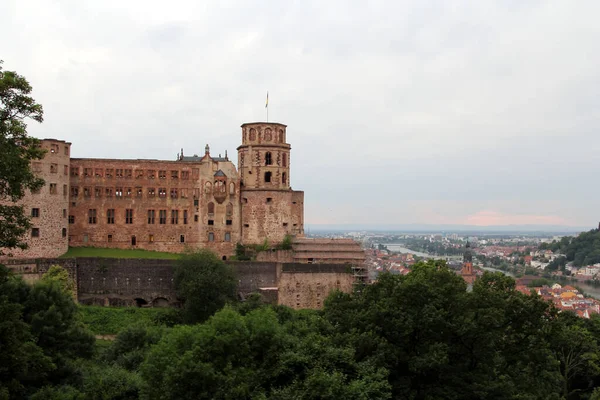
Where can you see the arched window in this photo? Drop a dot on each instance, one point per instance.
(268, 177)
(268, 158)
(232, 188)
(283, 178)
(229, 209)
(252, 134)
(281, 136)
(207, 187)
(284, 160)
(211, 208)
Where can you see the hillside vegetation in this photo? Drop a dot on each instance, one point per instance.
(581, 250)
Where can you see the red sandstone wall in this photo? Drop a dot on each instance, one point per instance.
(182, 187)
(272, 219)
(52, 202)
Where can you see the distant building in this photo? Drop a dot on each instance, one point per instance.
(467, 270)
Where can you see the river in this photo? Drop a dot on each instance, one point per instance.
(590, 290)
(399, 248)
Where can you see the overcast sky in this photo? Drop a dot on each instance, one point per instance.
(398, 112)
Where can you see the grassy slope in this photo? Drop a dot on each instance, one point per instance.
(110, 320)
(116, 253)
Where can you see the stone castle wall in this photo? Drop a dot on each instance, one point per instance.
(308, 285)
(149, 282)
(48, 208)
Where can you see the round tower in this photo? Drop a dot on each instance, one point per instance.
(271, 210)
(264, 156)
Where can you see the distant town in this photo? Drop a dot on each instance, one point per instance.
(528, 257)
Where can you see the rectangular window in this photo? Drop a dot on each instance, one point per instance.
(87, 191)
(128, 173)
(118, 192)
(211, 237)
(129, 216)
(92, 216)
(66, 170)
(181, 239)
(53, 148)
(151, 192)
(151, 214)
(66, 150)
(97, 192)
(228, 222)
(185, 217)
(35, 212)
(139, 173)
(74, 171)
(162, 217)
(109, 192)
(162, 193)
(227, 237)
(65, 190)
(87, 172)
(110, 216)
(35, 232)
(195, 218)
(74, 191)
(162, 174)
(185, 175)
(128, 192)
(183, 193)
(36, 166)
(109, 238)
(269, 199)
(119, 172)
(53, 188)
(98, 172)
(211, 221)
(174, 174)
(151, 174)
(138, 192)
(151, 238)
(64, 232)
(109, 173)
(53, 168)
(71, 219)
(196, 202)
(174, 217)
(64, 213)
(173, 193)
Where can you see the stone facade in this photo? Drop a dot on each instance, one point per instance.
(48, 208)
(270, 209)
(193, 201)
(148, 282)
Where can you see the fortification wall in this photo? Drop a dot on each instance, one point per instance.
(141, 282)
(49, 206)
(308, 285)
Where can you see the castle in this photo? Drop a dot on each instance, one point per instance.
(191, 202)
(194, 201)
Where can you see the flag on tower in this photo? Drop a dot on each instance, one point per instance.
(267, 103)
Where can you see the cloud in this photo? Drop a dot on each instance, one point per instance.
(396, 105)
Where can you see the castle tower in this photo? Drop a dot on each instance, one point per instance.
(48, 208)
(270, 209)
(467, 269)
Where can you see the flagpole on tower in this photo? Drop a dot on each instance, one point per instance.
(267, 106)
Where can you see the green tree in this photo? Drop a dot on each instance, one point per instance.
(55, 323)
(60, 275)
(204, 283)
(18, 150)
(22, 362)
(131, 345)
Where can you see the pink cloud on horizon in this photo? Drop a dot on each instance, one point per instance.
(489, 217)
